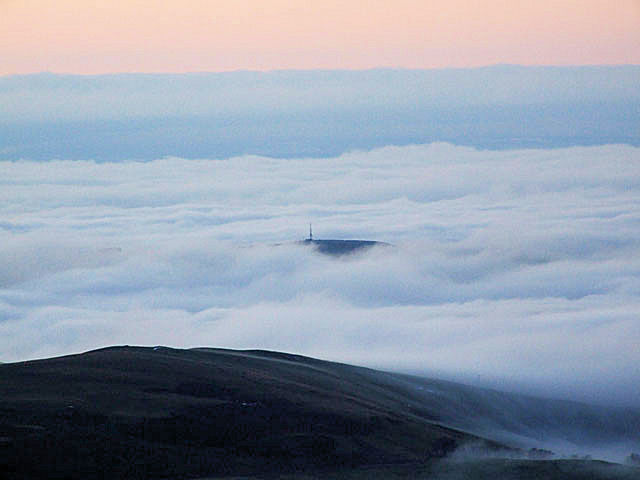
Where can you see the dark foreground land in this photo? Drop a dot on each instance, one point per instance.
(132, 412)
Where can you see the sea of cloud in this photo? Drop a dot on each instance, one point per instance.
(516, 269)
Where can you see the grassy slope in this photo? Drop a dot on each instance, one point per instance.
(142, 412)
(129, 412)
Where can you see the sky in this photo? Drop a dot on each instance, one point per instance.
(517, 269)
(91, 37)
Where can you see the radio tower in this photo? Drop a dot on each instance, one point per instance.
(310, 234)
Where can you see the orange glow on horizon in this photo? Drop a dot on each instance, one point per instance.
(81, 36)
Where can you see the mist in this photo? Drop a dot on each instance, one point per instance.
(288, 114)
(515, 269)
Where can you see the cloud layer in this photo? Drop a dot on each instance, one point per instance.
(515, 269)
(314, 113)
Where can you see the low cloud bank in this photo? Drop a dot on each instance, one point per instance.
(288, 114)
(514, 269)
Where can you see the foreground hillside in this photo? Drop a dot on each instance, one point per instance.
(131, 412)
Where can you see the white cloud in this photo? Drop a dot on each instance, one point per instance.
(518, 269)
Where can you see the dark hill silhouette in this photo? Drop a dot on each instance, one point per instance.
(342, 247)
(134, 412)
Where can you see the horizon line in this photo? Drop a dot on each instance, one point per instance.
(312, 70)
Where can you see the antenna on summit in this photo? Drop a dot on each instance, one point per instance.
(310, 234)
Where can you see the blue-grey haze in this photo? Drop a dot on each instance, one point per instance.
(314, 113)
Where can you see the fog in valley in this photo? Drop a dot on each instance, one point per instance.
(516, 270)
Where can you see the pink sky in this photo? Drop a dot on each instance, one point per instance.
(91, 36)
